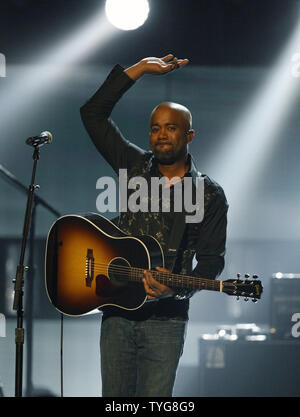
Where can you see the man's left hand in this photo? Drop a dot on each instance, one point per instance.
(155, 289)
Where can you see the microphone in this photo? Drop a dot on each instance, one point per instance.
(44, 137)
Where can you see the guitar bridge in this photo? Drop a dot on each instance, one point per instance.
(89, 269)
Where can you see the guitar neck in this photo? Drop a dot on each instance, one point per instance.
(178, 280)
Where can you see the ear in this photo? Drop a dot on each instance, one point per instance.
(190, 136)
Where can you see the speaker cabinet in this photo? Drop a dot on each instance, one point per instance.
(249, 368)
(285, 301)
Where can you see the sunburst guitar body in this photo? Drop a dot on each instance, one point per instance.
(91, 263)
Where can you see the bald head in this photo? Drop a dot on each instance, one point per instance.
(183, 111)
(170, 133)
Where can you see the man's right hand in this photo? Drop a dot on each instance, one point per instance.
(155, 66)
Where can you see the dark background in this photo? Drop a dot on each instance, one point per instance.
(210, 32)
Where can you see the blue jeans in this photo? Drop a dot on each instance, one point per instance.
(140, 358)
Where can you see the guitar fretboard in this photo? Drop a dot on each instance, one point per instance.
(178, 280)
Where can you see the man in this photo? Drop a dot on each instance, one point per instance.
(140, 349)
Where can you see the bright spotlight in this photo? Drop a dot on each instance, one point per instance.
(127, 14)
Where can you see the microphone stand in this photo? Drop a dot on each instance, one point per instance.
(19, 281)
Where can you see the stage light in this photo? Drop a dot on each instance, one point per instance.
(127, 14)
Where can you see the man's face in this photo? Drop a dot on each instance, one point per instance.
(169, 135)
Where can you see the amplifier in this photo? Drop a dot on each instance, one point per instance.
(240, 368)
(285, 302)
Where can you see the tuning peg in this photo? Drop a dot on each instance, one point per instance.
(238, 277)
(246, 299)
(247, 276)
(254, 276)
(254, 300)
(237, 298)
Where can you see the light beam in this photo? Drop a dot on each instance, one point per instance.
(52, 65)
(246, 148)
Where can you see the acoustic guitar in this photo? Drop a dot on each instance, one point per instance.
(90, 263)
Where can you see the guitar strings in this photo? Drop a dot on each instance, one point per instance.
(135, 270)
(166, 277)
(155, 272)
(137, 273)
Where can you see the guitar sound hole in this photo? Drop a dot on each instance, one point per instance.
(118, 271)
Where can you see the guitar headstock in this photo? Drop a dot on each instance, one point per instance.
(247, 288)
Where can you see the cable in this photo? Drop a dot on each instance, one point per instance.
(61, 354)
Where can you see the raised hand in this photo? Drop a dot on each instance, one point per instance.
(155, 66)
(152, 65)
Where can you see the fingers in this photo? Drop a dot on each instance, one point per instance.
(167, 58)
(179, 63)
(174, 62)
(171, 57)
(159, 268)
(182, 62)
(153, 288)
(158, 66)
(149, 284)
